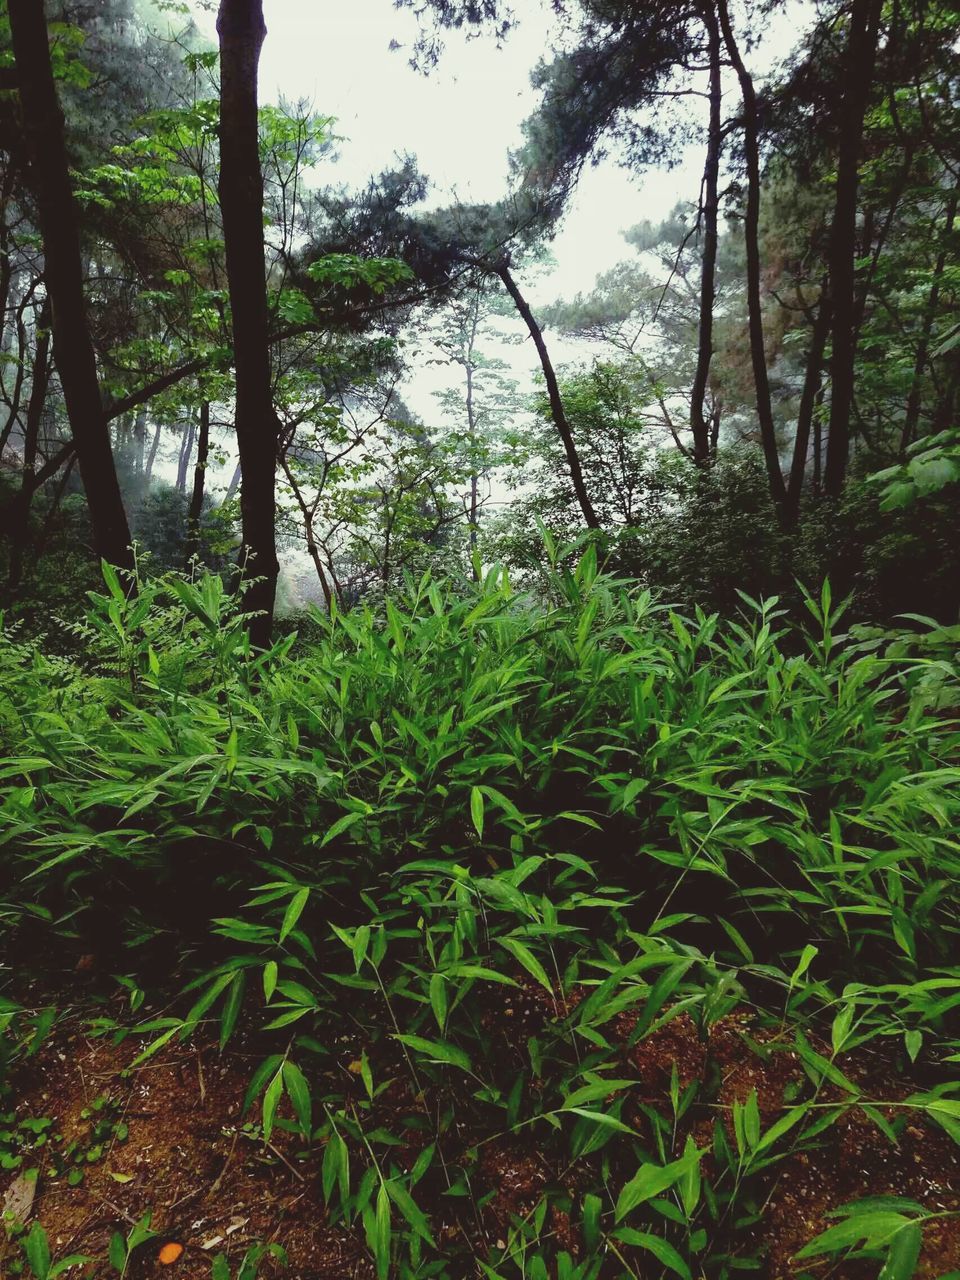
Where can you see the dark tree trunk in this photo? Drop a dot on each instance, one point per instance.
(59, 228)
(241, 29)
(751, 233)
(699, 420)
(816, 479)
(553, 391)
(812, 380)
(474, 476)
(912, 416)
(199, 474)
(858, 75)
(20, 515)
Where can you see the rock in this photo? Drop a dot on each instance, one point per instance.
(19, 1197)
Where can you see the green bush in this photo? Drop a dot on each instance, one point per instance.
(483, 844)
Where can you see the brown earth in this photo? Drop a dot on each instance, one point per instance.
(216, 1188)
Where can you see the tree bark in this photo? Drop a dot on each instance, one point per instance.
(151, 458)
(502, 269)
(20, 515)
(186, 453)
(858, 75)
(751, 234)
(699, 420)
(59, 224)
(199, 474)
(808, 399)
(912, 416)
(241, 30)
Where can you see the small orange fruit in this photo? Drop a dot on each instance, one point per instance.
(170, 1252)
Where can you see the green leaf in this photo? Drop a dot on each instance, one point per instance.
(903, 1254)
(221, 1268)
(271, 1100)
(259, 1079)
(872, 1229)
(340, 826)
(270, 973)
(37, 1248)
(299, 1092)
(653, 1179)
(380, 1242)
(408, 1207)
(663, 1251)
(117, 1252)
(437, 1051)
(293, 912)
(601, 1118)
(522, 953)
(476, 809)
(231, 1007)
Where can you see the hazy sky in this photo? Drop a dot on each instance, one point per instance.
(460, 122)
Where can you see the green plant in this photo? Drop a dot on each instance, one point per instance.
(104, 1126)
(123, 1248)
(36, 1248)
(888, 1229)
(462, 866)
(249, 1263)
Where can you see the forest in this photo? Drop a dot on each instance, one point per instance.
(480, 657)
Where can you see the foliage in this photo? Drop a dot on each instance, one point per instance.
(499, 841)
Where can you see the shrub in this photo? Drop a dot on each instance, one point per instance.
(496, 842)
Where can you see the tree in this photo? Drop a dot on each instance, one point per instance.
(751, 233)
(58, 218)
(485, 397)
(700, 421)
(241, 29)
(857, 78)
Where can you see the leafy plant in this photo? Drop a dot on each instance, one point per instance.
(458, 864)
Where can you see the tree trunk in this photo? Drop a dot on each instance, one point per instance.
(31, 440)
(699, 421)
(816, 479)
(151, 458)
(808, 398)
(912, 416)
(553, 392)
(858, 75)
(186, 453)
(308, 517)
(751, 233)
(139, 442)
(241, 30)
(472, 437)
(60, 231)
(199, 474)
(234, 484)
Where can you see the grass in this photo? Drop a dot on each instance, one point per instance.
(500, 843)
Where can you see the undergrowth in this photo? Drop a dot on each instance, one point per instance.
(482, 847)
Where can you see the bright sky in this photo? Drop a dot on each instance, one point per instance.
(460, 122)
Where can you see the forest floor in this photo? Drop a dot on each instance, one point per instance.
(168, 1137)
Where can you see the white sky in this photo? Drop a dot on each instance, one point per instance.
(460, 122)
(462, 119)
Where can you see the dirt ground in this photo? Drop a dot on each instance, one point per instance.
(213, 1187)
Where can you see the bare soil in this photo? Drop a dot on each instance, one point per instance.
(215, 1188)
